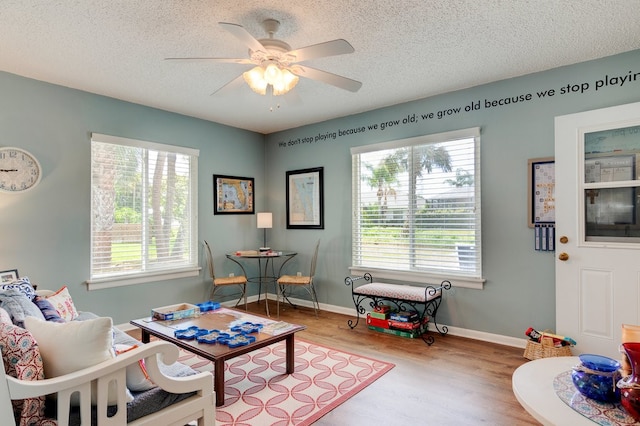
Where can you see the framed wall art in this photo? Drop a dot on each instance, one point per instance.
(8, 276)
(542, 191)
(305, 194)
(233, 195)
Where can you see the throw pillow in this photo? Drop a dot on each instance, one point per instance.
(22, 360)
(137, 376)
(62, 302)
(48, 311)
(23, 285)
(72, 346)
(18, 306)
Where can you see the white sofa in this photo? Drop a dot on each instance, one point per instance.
(94, 385)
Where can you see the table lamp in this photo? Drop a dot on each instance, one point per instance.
(265, 220)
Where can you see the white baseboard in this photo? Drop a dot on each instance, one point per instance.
(454, 331)
(499, 339)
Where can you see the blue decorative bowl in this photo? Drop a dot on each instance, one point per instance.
(596, 377)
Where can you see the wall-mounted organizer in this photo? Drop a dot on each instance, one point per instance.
(541, 211)
(545, 234)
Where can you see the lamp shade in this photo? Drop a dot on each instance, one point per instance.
(281, 80)
(265, 220)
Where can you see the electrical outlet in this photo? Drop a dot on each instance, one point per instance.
(299, 274)
(232, 275)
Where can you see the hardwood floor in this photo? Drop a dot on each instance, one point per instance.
(456, 381)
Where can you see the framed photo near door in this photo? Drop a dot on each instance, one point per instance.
(305, 195)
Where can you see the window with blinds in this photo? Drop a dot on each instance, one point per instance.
(416, 205)
(144, 210)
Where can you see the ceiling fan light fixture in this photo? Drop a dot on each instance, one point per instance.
(272, 74)
(281, 80)
(256, 81)
(287, 81)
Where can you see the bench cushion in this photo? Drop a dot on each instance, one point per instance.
(397, 291)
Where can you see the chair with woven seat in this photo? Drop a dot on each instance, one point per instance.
(221, 282)
(303, 281)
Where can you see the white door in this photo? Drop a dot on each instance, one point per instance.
(597, 167)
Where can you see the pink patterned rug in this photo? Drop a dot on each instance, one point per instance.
(258, 392)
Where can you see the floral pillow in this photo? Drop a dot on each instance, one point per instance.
(22, 360)
(62, 302)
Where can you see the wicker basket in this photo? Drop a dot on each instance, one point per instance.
(545, 349)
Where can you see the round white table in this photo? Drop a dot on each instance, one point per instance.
(532, 385)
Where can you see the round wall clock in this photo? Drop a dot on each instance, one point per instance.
(19, 170)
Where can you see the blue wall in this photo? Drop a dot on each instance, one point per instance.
(520, 287)
(45, 232)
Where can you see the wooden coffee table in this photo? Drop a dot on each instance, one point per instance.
(223, 319)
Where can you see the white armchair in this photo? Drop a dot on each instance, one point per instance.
(200, 407)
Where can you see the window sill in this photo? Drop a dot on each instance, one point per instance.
(420, 277)
(120, 281)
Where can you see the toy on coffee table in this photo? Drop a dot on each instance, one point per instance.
(238, 340)
(208, 306)
(247, 328)
(213, 336)
(189, 333)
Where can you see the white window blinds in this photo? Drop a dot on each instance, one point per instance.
(416, 205)
(144, 206)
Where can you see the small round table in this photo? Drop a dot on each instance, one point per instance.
(532, 385)
(264, 276)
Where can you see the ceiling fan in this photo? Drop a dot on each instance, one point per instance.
(276, 66)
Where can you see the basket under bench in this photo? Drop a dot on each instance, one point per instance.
(402, 297)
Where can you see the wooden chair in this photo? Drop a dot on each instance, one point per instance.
(304, 281)
(217, 283)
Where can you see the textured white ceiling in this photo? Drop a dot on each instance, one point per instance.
(404, 49)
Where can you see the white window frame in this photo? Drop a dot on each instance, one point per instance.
(472, 280)
(189, 268)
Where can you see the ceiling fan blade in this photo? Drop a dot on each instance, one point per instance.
(230, 86)
(327, 77)
(200, 59)
(321, 50)
(243, 35)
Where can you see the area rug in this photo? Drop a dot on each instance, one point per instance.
(259, 392)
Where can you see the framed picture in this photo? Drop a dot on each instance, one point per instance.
(8, 276)
(233, 195)
(542, 191)
(305, 195)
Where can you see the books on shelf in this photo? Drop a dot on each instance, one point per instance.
(382, 309)
(412, 334)
(379, 315)
(412, 328)
(404, 316)
(377, 322)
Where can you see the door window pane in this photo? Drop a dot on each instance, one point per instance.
(611, 171)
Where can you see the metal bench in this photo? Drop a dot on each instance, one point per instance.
(401, 296)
